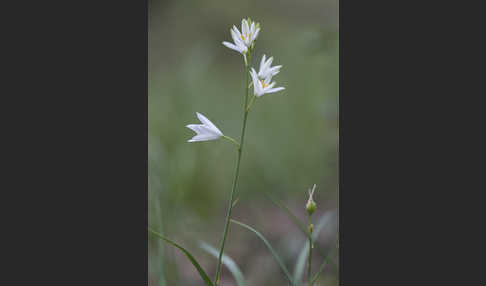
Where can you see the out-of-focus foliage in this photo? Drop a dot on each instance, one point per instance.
(291, 138)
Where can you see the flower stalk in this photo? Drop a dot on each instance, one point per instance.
(243, 43)
(310, 208)
(231, 140)
(251, 102)
(309, 263)
(237, 171)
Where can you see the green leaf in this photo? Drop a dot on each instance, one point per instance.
(228, 262)
(302, 227)
(274, 254)
(321, 268)
(304, 253)
(203, 274)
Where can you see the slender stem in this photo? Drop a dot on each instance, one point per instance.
(231, 140)
(310, 251)
(251, 102)
(237, 172)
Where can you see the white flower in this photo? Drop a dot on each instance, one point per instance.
(205, 131)
(261, 87)
(244, 40)
(248, 33)
(238, 45)
(266, 69)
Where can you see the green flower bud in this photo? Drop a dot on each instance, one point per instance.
(311, 205)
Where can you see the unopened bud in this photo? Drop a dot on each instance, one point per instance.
(311, 205)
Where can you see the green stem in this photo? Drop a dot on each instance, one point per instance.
(237, 172)
(251, 102)
(231, 140)
(310, 251)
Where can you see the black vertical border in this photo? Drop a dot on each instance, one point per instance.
(341, 183)
(77, 155)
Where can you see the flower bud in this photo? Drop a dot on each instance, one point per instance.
(311, 205)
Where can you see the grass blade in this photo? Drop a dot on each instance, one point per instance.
(203, 274)
(274, 254)
(304, 253)
(302, 227)
(321, 268)
(228, 262)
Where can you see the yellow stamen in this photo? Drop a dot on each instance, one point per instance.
(242, 37)
(263, 84)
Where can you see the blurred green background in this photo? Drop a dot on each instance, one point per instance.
(291, 138)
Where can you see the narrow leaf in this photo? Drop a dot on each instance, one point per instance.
(203, 274)
(321, 268)
(274, 254)
(289, 213)
(228, 262)
(236, 201)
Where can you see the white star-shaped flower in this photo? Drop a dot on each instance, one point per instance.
(243, 41)
(249, 33)
(238, 45)
(261, 87)
(205, 131)
(266, 68)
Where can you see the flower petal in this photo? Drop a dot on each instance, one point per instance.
(275, 70)
(237, 31)
(235, 34)
(267, 80)
(257, 87)
(262, 63)
(269, 87)
(268, 63)
(274, 89)
(208, 124)
(255, 35)
(232, 46)
(195, 127)
(245, 30)
(204, 137)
